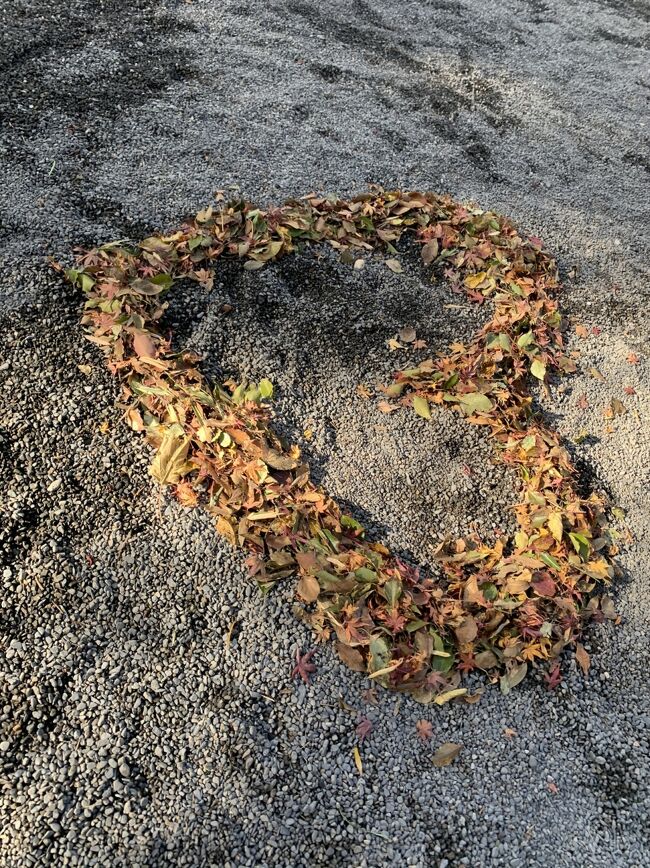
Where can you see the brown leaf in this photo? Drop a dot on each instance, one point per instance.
(407, 334)
(363, 391)
(430, 250)
(308, 588)
(467, 630)
(446, 754)
(395, 265)
(424, 729)
(143, 345)
(582, 658)
(351, 657)
(385, 407)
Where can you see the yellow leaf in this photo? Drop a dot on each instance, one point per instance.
(473, 280)
(357, 760)
(450, 694)
(168, 461)
(226, 529)
(555, 525)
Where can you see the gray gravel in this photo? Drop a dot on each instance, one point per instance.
(133, 731)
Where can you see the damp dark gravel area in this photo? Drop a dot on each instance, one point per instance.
(147, 714)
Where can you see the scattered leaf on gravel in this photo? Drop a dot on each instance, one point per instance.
(357, 760)
(303, 668)
(407, 334)
(582, 657)
(395, 265)
(364, 728)
(363, 391)
(446, 754)
(424, 729)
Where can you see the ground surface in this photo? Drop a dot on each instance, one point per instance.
(131, 731)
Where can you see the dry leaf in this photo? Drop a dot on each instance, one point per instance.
(446, 754)
(407, 334)
(308, 588)
(424, 729)
(394, 265)
(357, 760)
(363, 391)
(582, 658)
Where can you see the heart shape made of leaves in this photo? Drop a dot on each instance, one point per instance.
(495, 608)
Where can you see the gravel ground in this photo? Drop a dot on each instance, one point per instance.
(147, 716)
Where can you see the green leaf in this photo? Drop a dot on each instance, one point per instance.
(475, 402)
(525, 340)
(365, 574)
(581, 544)
(164, 280)
(352, 523)
(421, 407)
(266, 388)
(549, 561)
(392, 592)
(538, 369)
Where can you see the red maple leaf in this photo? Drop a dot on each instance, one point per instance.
(553, 677)
(393, 620)
(364, 728)
(467, 663)
(424, 729)
(303, 667)
(629, 390)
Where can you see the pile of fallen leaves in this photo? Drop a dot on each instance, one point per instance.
(492, 607)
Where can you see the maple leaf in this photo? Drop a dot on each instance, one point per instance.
(424, 729)
(467, 663)
(364, 728)
(596, 330)
(629, 390)
(419, 344)
(553, 677)
(370, 696)
(632, 358)
(385, 407)
(392, 344)
(583, 402)
(436, 680)
(393, 620)
(363, 391)
(552, 787)
(303, 668)
(509, 733)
